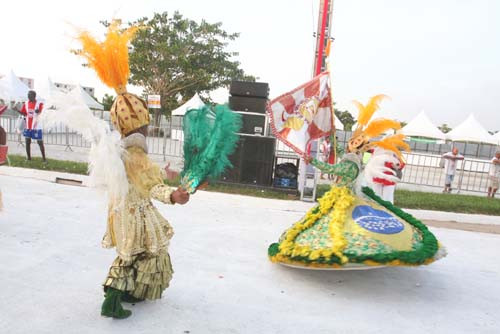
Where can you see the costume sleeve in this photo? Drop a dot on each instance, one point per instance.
(347, 168)
(162, 192)
(146, 176)
(40, 107)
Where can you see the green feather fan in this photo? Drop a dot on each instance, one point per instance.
(209, 138)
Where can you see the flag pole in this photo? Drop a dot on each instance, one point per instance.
(333, 138)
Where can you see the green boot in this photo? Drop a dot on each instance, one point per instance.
(128, 298)
(112, 307)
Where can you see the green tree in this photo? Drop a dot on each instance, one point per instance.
(444, 128)
(345, 118)
(176, 57)
(107, 101)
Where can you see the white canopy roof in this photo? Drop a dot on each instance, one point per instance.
(13, 89)
(421, 126)
(192, 103)
(497, 137)
(80, 94)
(47, 89)
(338, 124)
(471, 130)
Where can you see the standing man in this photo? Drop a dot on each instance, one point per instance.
(494, 175)
(450, 167)
(31, 109)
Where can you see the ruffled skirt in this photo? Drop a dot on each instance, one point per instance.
(348, 231)
(144, 276)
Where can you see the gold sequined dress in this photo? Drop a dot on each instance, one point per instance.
(137, 230)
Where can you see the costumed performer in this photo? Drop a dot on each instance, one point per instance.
(142, 269)
(351, 227)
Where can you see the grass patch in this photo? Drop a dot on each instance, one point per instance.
(439, 202)
(447, 202)
(51, 165)
(249, 191)
(240, 189)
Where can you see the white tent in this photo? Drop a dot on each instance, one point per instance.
(81, 95)
(471, 130)
(338, 124)
(47, 89)
(12, 89)
(192, 103)
(421, 126)
(497, 137)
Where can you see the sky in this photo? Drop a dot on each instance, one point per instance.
(439, 56)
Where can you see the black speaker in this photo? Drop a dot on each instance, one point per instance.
(248, 104)
(252, 161)
(250, 89)
(253, 124)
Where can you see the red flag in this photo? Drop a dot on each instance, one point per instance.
(303, 115)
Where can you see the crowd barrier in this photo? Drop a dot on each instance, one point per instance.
(422, 168)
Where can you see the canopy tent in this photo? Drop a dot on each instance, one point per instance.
(192, 103)
(338, 124)
(497, 137)
(421, 126)
(47, 89)
(471, 130)
(81, 95)
(12, 89)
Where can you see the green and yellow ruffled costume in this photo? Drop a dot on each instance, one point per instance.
(356, 229)
(349, 231)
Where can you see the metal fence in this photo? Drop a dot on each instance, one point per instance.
(165, 140)
(422, 168)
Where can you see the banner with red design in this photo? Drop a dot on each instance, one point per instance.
(303, 115)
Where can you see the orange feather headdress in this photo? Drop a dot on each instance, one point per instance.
(110, 60)
(366, 129)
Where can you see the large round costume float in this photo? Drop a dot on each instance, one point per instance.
(351, 227)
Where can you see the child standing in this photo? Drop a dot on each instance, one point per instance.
(135, 228)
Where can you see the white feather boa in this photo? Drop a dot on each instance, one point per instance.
(106, 167)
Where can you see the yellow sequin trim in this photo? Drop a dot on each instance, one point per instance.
(334, 203)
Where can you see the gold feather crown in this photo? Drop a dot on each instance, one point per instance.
(110, 60)
(366, 129)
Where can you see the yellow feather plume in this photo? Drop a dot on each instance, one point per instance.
(379, 126)
(393, 143)
(110, 57)
(366, 112)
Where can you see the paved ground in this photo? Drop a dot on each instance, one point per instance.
(52, 266)
(484, 228)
